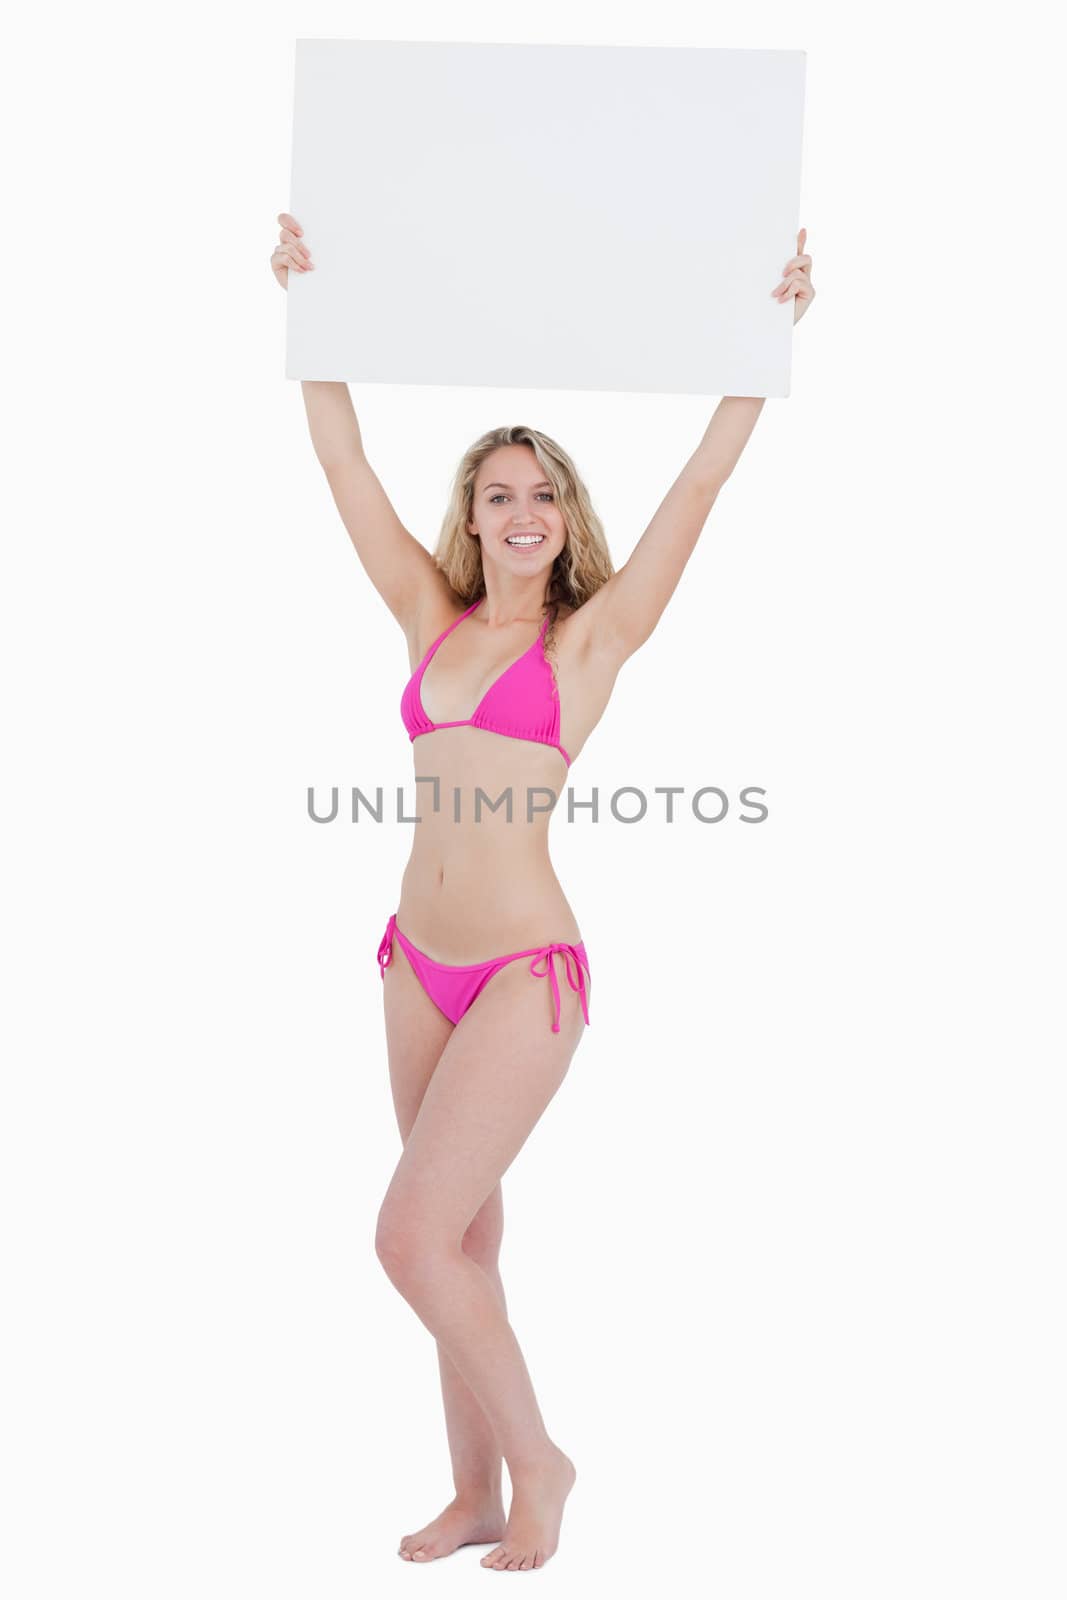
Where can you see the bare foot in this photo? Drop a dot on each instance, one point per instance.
(532, 1533)
(463, 1521)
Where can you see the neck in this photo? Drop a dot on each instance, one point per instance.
(506, 602)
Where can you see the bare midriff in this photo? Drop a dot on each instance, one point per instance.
(483, 886)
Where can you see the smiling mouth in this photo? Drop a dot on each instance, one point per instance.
(525, 540)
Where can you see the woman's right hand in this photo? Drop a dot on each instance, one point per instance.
(290, 252)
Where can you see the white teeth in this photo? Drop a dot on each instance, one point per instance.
(525, 538)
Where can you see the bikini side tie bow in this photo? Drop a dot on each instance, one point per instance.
(385, 949)
(541, 966)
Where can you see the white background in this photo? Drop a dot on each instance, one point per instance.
(675, 182)
(785, 1253)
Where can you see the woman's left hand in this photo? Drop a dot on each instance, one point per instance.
(796, 284)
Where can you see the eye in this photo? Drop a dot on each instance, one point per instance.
(545, 494)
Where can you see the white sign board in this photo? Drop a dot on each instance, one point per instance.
(545, 216)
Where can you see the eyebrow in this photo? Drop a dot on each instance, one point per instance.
(544, 484)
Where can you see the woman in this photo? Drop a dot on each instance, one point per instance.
(516, 630)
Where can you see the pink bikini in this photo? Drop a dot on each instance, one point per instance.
(454, 989)
(523, 703)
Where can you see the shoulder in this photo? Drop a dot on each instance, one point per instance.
(587, 635)
(441, 607)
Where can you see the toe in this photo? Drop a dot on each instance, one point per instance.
(526, 1563)
(420, 1554)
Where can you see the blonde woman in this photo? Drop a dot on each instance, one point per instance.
(516, 628)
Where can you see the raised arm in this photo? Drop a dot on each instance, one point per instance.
(618, 619)
(400, 568)
(624, 611)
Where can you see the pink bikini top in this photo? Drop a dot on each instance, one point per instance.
(523, 703)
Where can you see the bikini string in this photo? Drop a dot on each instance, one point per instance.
(542, 966)
(385, 949)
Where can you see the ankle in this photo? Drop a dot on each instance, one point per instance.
(481, 1493)
(547, 1458)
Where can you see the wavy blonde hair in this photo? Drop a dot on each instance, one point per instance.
(584, 563)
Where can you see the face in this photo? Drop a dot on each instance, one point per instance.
(513, 500)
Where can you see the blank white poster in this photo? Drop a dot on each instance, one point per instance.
(545, 216)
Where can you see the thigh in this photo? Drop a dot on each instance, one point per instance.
(416, 1033)
(497, 1073)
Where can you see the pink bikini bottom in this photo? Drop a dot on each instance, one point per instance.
(454, 989)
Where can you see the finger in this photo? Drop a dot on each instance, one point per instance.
(288, 237)
(790, 281)
(289, 222)
(284, 256)
(795, 284)
(803, 262)
(801, 237)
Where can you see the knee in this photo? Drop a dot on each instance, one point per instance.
(408, 1239)
(395, 1242)
(404, 1242)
